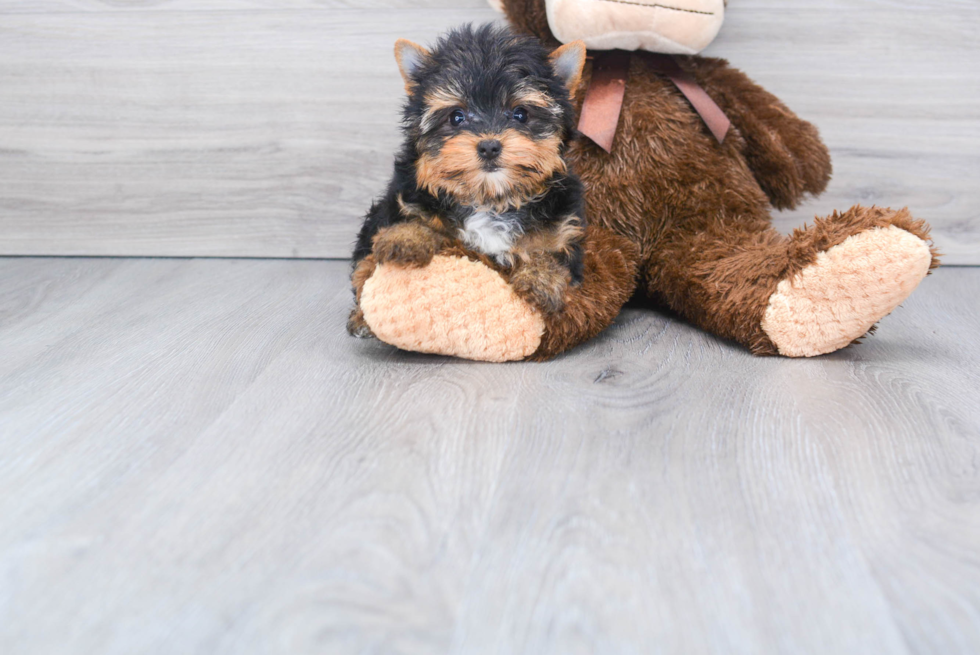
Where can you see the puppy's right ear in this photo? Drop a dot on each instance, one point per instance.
(410, 57)
(567, 62)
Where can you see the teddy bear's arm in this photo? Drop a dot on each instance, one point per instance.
(784, 152)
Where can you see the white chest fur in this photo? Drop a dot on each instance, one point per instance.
(490, 233)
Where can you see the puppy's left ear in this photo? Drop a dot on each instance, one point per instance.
(567, 62)
(410, 57)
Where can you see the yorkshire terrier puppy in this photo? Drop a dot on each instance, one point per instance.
(486, 124)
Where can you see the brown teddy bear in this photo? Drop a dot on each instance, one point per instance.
(679, 214)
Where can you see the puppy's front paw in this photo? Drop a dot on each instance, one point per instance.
(357, 326)
(543, 284)
(406, 244)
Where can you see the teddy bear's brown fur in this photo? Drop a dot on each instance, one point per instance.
(689, 217)
(699, 210)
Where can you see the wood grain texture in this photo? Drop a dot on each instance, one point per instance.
(254, 128)
(195, 458)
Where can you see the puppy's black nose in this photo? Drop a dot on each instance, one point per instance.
(489, 149)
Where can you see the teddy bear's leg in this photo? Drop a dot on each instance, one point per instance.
(463, 304)
(809, 294)
(846, 273)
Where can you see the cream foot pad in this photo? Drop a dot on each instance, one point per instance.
(453, 306)
(849, 288)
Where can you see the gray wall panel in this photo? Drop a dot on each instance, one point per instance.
(255, 128)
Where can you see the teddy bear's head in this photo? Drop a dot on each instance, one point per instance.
(667, 26)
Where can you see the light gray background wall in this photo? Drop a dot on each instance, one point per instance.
(262, 128)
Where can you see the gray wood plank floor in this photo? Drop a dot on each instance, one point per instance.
(262, 128)
(195, 458)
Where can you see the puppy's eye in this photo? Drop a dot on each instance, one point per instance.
(520, 115)
(457, 117)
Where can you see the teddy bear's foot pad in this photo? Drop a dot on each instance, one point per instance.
(453, 306)
(848, 289)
